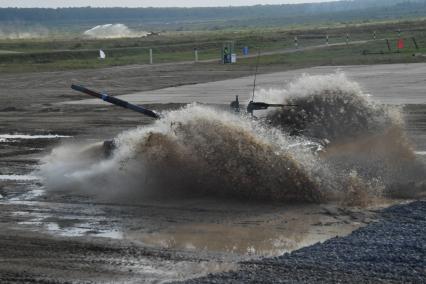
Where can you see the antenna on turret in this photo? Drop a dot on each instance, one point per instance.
(255, 73)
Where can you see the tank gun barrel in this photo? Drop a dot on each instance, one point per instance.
(252, 106)
(116, 101)
(266, 105)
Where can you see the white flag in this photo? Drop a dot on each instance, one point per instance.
(102, 54)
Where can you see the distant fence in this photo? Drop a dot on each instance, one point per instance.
(393, 40)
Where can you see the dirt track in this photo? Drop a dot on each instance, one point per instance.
(68, 236)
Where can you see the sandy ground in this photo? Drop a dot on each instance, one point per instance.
(65, 236)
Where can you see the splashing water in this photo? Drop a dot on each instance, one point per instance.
(331, 107)
(361, 135)
(113, 31)
(199, 151)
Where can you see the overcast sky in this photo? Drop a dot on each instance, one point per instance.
(143, 3)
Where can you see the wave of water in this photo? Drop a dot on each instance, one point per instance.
(200, 151)
(113, 31)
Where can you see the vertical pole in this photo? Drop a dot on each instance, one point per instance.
(196, 54)
(222, 54)
(399, 33)
(388, 43)
(296, 42)
(415, 43)
(151, 61)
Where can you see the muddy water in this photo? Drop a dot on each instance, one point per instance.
(231, 230)
(269, 234)
(212, 234)
(163, 239)
(211, 240)
(206, 235)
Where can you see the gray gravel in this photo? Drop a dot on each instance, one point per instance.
(392, 250)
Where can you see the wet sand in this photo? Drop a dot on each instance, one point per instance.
(69, 236)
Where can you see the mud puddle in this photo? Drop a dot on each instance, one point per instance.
(265, 235)
(229, 231)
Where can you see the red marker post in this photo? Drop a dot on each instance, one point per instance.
(400, 44)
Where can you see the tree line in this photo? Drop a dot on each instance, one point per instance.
(268, 14)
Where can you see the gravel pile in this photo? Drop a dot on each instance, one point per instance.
(392, 250)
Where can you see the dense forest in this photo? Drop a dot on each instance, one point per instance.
(220, 17)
